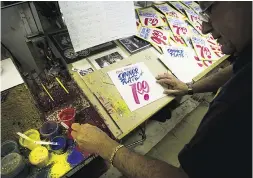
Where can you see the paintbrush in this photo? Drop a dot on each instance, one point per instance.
(47, 92)
(36, 142)
(61, 84)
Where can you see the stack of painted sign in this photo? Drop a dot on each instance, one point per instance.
(174, 28)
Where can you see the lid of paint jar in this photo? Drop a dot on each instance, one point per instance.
(9, 146)
(12, 165)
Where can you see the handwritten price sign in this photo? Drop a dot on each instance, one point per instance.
(169, 11)
(178, 27)
(192, 16)
(179, 6)
(154, 35)
(203, 50)
(136, 85)
(150, 21)
(149, 17)
(159, 37)
(217, 50)
(202, 63)
(180, 30)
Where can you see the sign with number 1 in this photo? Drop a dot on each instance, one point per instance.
(136, 85)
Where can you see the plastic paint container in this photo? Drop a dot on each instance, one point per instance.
(61, 147)
(39, 156)
(14, 165)
(75, 157)
(67, 116)
(34, 135)
(8, 147)
(49, 129)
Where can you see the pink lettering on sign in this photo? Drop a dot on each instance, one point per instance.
(141, 88)
(152, 21)
(203, 62)
(158, 37)
(173, 14)
(199, 27)
(179, 40)
(180, 30)
(194, 18)
(204, 52)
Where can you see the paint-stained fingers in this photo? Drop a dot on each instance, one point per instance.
(164, 76)
(75, 126)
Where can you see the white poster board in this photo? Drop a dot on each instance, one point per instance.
(182, 63)
(10, 76)
(136, 85)
(93, 23)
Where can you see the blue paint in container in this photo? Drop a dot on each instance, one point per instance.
(60, 148)
(75, 157)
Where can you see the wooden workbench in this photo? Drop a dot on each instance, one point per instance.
(102, 93)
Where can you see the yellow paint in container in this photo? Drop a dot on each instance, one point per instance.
(32, 134)
(39, 156)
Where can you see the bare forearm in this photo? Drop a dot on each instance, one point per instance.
(134, 165)
(138, 166)
(214, 82)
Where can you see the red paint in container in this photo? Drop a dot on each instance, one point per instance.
(67, 116)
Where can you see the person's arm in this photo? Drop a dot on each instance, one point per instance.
(208, 84)
(128, 162)
(213, 82)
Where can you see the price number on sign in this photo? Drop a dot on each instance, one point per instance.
(180, 30)
(199, 27)
(204, 63)
(173, 14)
(152, 21)
(158, 37)
(217, 50)
(178, 39)
(204, 52)
(194, 18)
(140, 88)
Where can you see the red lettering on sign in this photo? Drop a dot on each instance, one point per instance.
(204, 51)
(140, 88)
(180, 30)
(179, 39)
(158, 37)
(152, 21)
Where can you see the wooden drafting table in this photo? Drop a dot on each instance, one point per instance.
(102, 93)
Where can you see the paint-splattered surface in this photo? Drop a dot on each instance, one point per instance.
(109, 97)
(18, 113)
